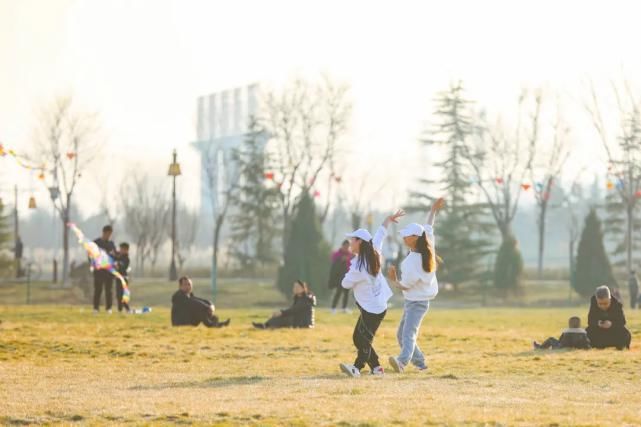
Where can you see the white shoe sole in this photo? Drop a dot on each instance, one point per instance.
(347, 371)
(395, 365)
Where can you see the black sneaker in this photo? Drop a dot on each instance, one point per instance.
(258, 325)
(225, 323)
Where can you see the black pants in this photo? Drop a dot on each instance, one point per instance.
(337, 294)
(200, 313)
(613, 337)
(119, 293)
(551, 343)
(102, 279)
(363, 337)
(280, 322)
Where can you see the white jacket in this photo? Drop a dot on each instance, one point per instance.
(423, 285)
(371, 293)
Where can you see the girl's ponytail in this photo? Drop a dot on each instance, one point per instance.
(428, 255)
(369, 256)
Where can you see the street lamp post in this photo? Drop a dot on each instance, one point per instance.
(174, 171)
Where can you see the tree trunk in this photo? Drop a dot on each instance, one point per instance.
(629, 231)
(541, 224)
(214, 257)
(65, 245)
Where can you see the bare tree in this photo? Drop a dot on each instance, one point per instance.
(67, 141)
(623, 151)
(146, 212)
(574, 204)
(305, 123)
(500, 162)
(545, 172)
(186, 233)
(222, 181)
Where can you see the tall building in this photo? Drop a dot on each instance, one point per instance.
(223, 120)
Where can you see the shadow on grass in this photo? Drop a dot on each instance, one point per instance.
(216, 382)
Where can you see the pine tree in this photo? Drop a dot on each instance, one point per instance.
(307, 253)
(5, 242)
(593, 267)
(254, 222)
(462, 229)
(508, 270)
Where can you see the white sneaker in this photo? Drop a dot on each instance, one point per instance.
(109, 311)
(378, 371)
(397, 365)
(350, 370)
(333, 311)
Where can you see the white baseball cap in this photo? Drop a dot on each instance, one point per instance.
(361, 233)
(412, 229)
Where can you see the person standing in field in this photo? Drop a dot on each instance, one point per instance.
(103, 279)
(371, 293)
(633, 286)
(341, 260)
(419, 285)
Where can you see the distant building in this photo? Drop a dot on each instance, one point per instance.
(223, 120)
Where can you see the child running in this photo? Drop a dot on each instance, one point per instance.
(419, 285)
(371, 293)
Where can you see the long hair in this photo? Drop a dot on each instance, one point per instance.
(305, 286)
(369, 257)
(428, 255)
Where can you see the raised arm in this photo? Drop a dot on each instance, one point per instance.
(437, 206)
(381, 233)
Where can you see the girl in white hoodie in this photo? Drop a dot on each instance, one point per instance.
(371, 293)
(419, 285)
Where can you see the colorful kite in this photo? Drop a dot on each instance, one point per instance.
(101, 260)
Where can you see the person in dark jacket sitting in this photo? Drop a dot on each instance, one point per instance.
(573, 337)
(299, 315)
(189, 310)
(606, 321)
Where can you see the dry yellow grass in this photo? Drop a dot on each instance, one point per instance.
(64, 365)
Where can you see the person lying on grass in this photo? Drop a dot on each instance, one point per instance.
(299, 315)
(189, 310)
(572, 337)
(606, 321)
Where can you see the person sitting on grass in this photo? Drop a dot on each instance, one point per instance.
(572, 337)
(606, 321)
(299, 315)
(189, 310)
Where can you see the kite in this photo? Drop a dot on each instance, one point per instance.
(609, 185)
(526, 187)
(22, 163)
(499, 181)
(101, 260)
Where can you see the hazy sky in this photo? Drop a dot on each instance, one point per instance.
(142, 64)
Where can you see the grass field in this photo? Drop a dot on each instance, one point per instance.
(64, 365)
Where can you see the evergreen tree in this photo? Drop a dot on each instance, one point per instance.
(508, 270)
(254, 222)
(463, 228)
(593, 267)
(5, 243)
(307, 253)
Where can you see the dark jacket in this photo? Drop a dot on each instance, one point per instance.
(614, 314)
(301, 311)
(339, 269)
(188, 309)
(575, 338)
(123, 264)
(110, 248)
